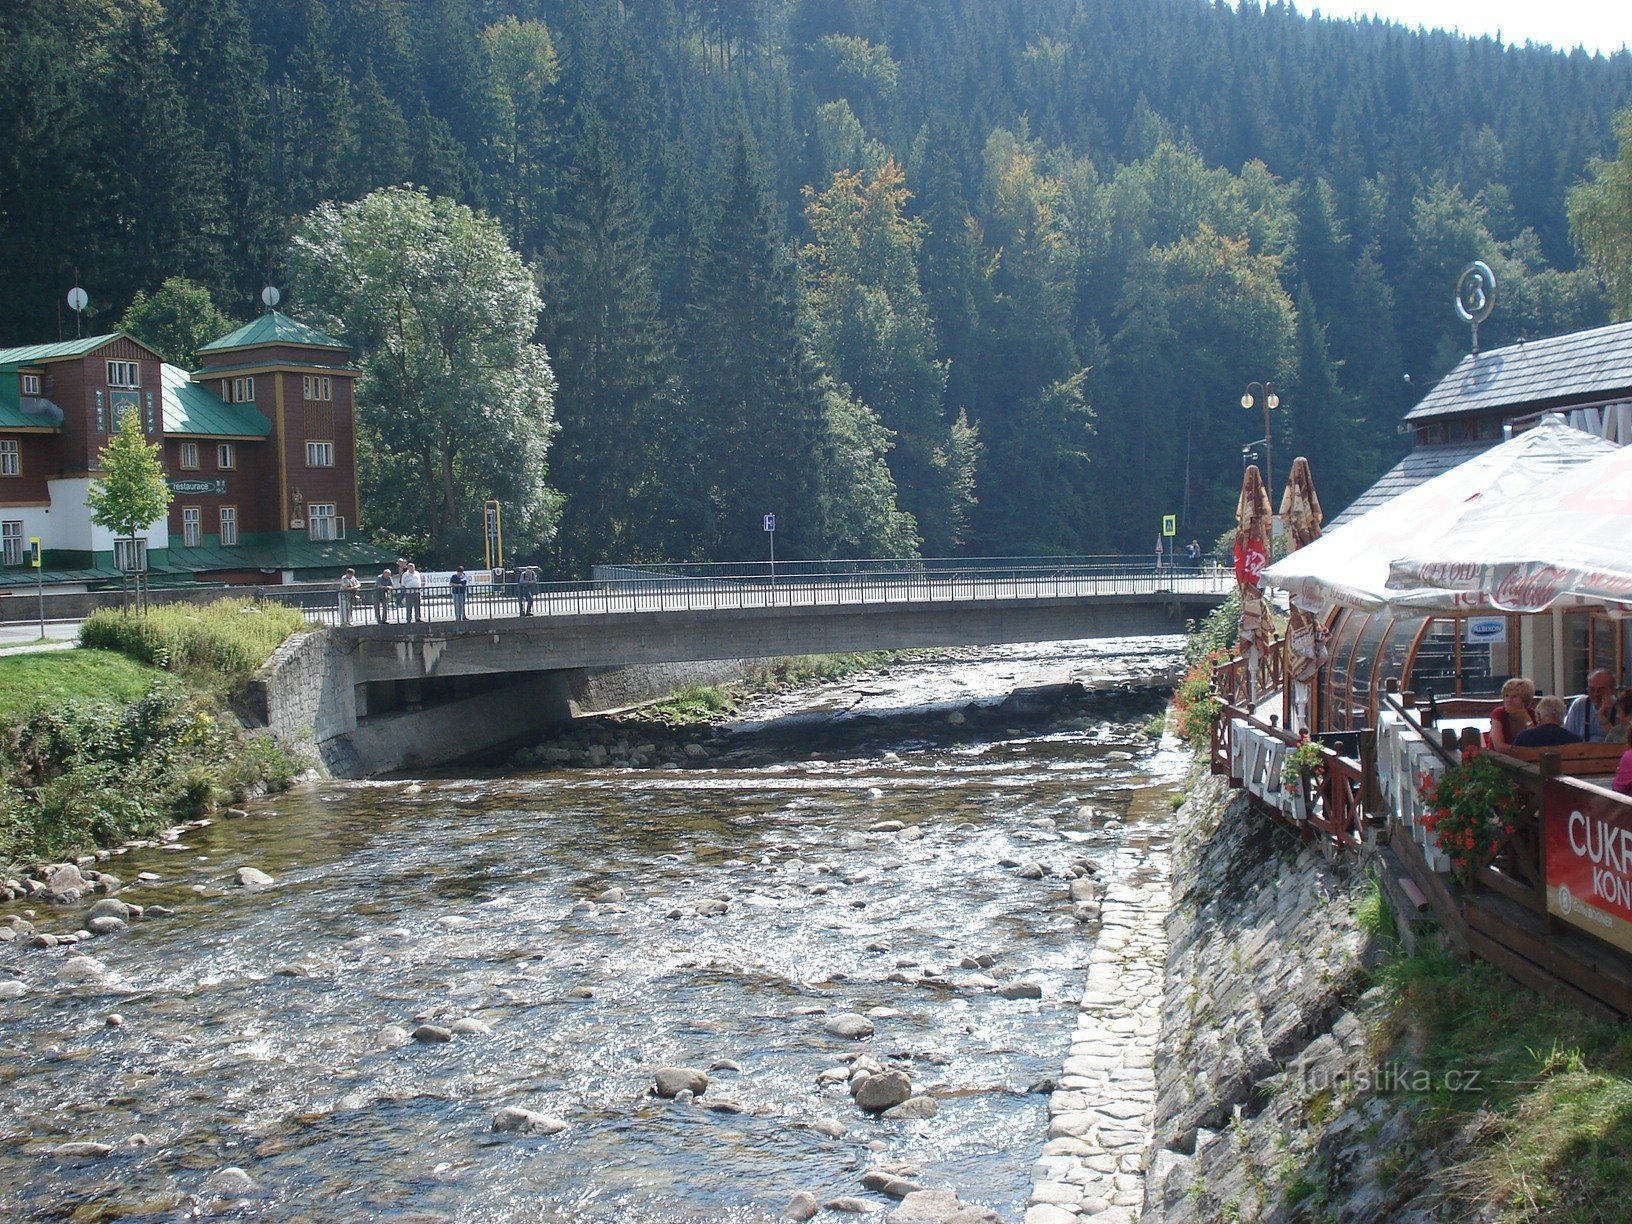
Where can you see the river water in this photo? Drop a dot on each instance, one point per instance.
(252, 1022)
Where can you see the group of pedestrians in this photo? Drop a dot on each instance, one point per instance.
(404, 588)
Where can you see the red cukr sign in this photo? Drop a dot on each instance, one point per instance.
(1588, 840)
(1250, 561)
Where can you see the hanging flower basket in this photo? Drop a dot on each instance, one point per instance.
(1472, 808)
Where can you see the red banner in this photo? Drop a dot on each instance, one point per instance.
(1250, 560)
(1588, 848)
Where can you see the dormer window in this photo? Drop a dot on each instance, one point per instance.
(124, 374)
(31, 384)
(238, 390)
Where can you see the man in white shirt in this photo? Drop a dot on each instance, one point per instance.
(412, 584)
(1593, 713)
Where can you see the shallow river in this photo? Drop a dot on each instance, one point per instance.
(252, 1021)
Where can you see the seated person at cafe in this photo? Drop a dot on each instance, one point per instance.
(1513, 715)
(1593, 713)
(1549, 731)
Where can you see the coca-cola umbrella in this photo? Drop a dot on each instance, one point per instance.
(1305, 645)
(1350, 564)
(1254, 523)
(1569, 538)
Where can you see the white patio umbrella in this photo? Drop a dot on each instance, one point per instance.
(1567, 536)
(1350, 564)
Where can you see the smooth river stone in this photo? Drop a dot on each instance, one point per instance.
(469, 1026)
(526, 1122)
(80, 1151)
(801, 1206)
(849, 1025)
(252, 878)
(12, 990)
(230, 1181)
(432, 1033)
(914, 1108)
(82, 969)
(393, 1036)
(876, 1093)
(671, 1081)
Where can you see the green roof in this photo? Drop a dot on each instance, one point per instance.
(30, 353)
(276, 551)
(193, 409)
(40, 412)
(217, 371)
(272, 328)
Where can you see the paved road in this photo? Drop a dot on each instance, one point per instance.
(25, 635)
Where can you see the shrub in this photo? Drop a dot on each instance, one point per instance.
(227, 639)
(1194, 706)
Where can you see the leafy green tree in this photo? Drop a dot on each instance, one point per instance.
(178, 320)
(522, 72)
(874, 332)
(455, 398)
(1601, 217)
(130, 495)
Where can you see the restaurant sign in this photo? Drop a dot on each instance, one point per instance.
(1588, 848)
(178, 485)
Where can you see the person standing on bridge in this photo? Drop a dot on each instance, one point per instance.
(459, 583)
(384, 592)
(412, 584)
(1192, 551)
(527, 583)
(349, 586)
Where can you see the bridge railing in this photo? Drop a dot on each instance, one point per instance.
(806, 571)
(488, 600)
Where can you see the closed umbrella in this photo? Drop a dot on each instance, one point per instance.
(1254, 522)
(1305, 639)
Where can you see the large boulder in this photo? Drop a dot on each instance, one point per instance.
(876, 1093)
(669, 1082)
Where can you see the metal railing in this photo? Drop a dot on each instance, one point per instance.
(635, 591)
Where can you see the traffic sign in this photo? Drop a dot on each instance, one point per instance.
(770, 522)
(1170, 525)
(34, 548)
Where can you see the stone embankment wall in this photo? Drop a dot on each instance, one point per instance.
(1263, 1034)
(305, 693)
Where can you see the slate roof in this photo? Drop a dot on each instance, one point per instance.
(271, 328)
(28, 354)
(1420, 465)
(1582, 366)
(193, 409)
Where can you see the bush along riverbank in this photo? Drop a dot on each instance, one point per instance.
(1309, 1069)
(85, 768)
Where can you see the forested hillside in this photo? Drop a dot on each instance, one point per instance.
(948, 274)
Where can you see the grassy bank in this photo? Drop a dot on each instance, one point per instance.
(703, 703)
(98, 746)
(1547, 1123)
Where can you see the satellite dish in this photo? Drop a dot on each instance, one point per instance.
(271, 297)
(77, 298)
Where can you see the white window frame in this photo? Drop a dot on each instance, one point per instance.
(322, 523)
(11, 542)
(320, 454)
(239, 390)
(229, 526)
(11, 457)
(189, 456)
(124, 374)
(226, 457)
(31, 384)
(130, 556)
(192, 526)
(317, 386)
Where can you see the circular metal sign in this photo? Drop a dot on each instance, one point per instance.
(1475, 292)
(77, 298)
(271, 296)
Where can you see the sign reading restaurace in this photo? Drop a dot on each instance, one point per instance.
(1588, 840)
(179, 485)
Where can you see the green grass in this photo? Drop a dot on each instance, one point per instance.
(1552, 1108)
(702, 703)
(39, 641)
(1374, 914)
(56, 676)
(222, 641)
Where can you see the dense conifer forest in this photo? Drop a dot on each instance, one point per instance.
(944, 275)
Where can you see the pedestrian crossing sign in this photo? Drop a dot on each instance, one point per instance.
(1170, 525)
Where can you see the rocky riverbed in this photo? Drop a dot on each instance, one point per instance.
(833, 962)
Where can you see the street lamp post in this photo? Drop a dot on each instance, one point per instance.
(1262, 394)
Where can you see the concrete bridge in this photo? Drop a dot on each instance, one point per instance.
(377, 697)
(681, 621)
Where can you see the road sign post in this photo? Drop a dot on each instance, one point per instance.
(39, 577)
(770, 531)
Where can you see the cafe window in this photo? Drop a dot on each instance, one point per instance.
(11, 457)
(226, 456)
(189, 456)
(229, 526)
(192, 526)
